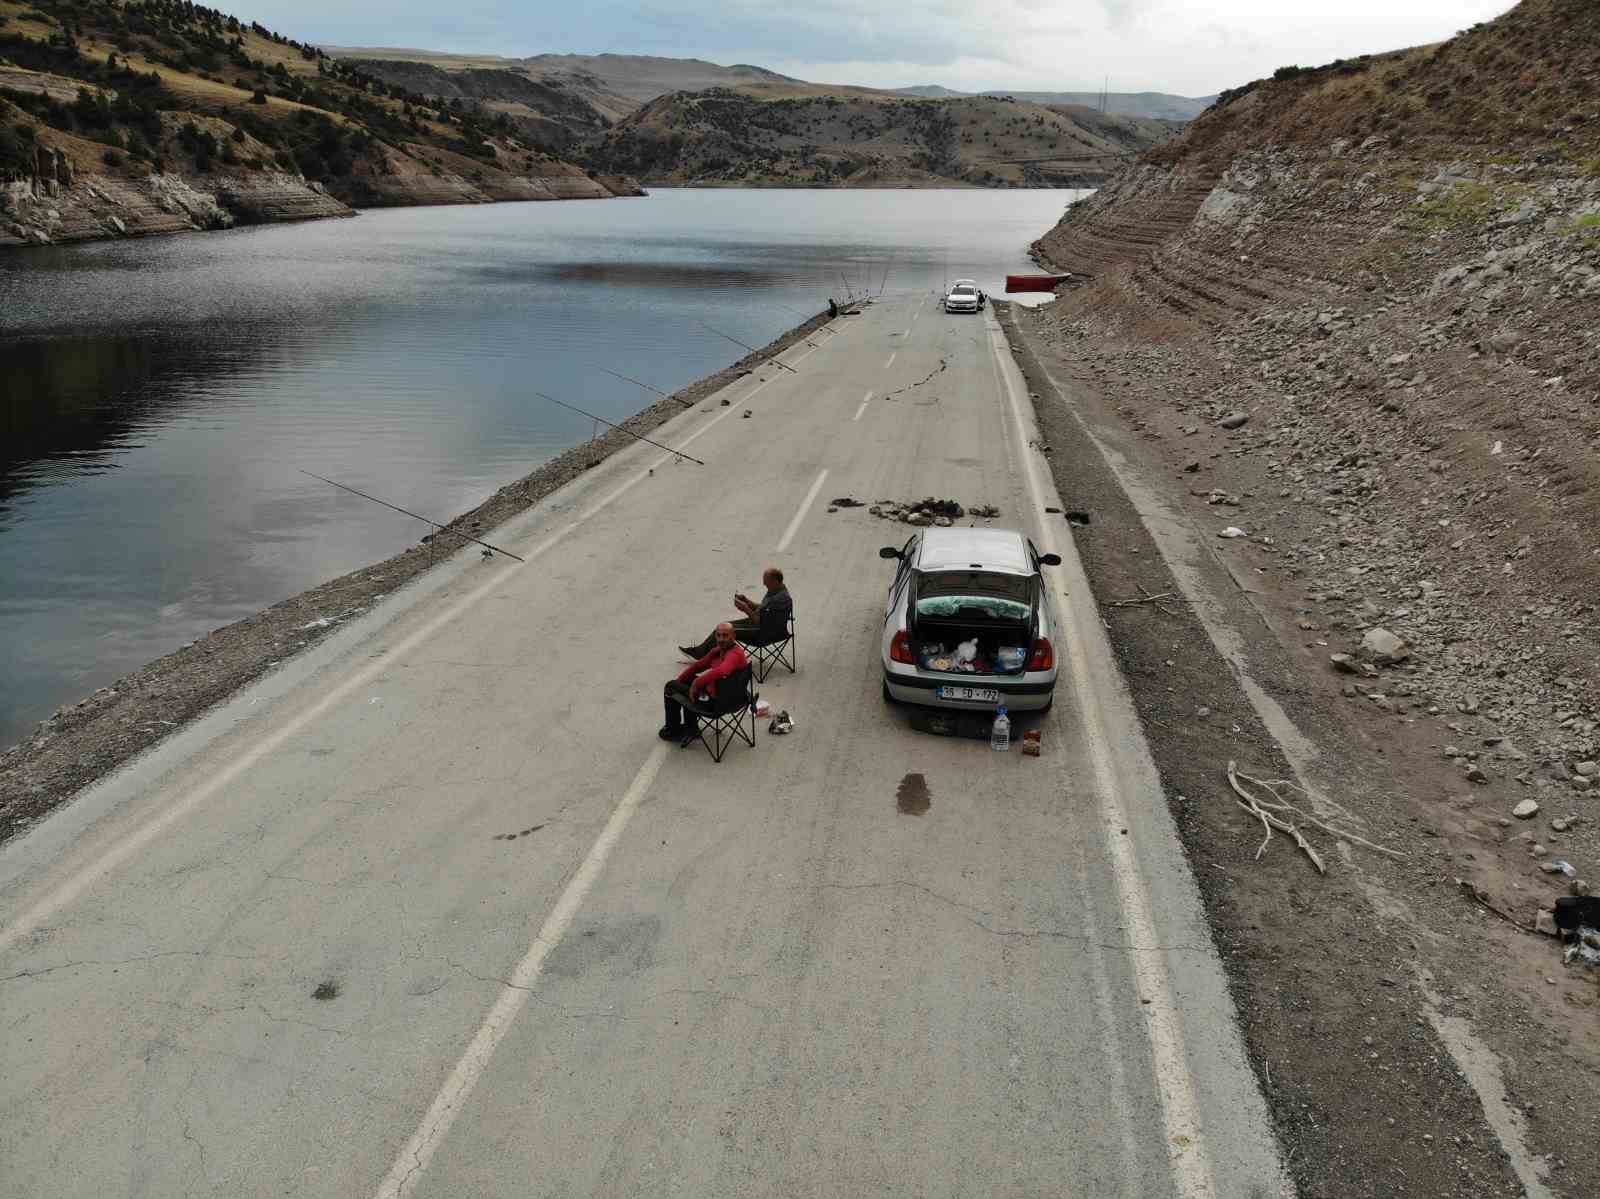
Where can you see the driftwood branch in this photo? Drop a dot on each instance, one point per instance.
(1147, 598)
(1283, 805)
(1271, 820)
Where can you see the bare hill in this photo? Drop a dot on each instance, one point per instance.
(776, 134)
(1387, 270)
(643, 77)
(1157, 105)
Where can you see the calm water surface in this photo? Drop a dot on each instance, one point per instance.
(159, 398)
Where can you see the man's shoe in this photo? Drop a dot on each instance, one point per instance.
(667, 734)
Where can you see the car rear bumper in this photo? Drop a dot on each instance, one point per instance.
(1027, 694)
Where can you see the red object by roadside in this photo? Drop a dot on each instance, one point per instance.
(1034, 282)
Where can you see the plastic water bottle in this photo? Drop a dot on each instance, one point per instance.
(1000, 731)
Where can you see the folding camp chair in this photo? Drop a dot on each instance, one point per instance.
(771, 644)
(722, 717)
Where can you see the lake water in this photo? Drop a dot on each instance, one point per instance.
(159, 398)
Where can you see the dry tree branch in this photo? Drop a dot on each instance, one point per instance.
(1284, 805)
(1252, 805)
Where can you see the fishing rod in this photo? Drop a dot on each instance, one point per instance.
(618, 428)
(803, 337)
(752, 349)
(647, 387)
(416, 515)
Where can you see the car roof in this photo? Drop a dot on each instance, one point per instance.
(1003, 551)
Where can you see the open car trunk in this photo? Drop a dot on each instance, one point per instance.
(972, 622)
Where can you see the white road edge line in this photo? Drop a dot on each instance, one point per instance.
(1186, 1146)
(805, 506)
(79, 882)
(863, 407)
(412, 1161)
(890, 363)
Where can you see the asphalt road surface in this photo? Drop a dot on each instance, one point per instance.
(431, 911)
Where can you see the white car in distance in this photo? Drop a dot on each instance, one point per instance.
(964, 296)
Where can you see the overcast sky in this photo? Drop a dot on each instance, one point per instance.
(1031, 45)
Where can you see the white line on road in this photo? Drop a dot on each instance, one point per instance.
(412, 1160)
(1186, 1145)
(890, 363)
(805, 506)
(863, 407)
(126, 847)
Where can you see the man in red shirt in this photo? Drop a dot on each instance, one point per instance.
(698, 683)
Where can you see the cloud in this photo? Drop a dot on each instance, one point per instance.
(1161, 45)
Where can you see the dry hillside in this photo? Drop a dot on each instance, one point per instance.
(1354, 312)
(811, 135)
(159, 115)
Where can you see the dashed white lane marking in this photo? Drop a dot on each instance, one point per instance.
(863, 407)
(412, 1161)
(805, 506)
(81, 880)
(1186, 1145)
(890, 363)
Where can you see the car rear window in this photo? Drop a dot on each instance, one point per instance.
(969, 594)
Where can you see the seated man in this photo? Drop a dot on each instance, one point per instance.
(698, 684)
(773, 612)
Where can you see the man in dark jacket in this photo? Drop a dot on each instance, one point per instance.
(698, 684)
(770, 616)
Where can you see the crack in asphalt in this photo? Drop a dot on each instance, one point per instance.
(149, 957)
(200, 1166)
(938, 370)
(1024, 933)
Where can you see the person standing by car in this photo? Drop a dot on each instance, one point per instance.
(770, 615)
(697, 683)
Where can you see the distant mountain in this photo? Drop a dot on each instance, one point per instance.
(1158, 105)
(686, 121)
(642, 78)
(806, 135)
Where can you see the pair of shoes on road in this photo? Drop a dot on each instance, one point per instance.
(681, 736)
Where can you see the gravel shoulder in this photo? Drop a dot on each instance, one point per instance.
(1368, 994)
(80, 744)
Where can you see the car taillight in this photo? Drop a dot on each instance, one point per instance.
(1044, 655)
(900, 649)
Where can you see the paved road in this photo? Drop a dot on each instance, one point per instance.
(676, 978)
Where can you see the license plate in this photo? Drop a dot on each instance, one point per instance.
(982, 695)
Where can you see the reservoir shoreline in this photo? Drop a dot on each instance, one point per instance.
(81, 743)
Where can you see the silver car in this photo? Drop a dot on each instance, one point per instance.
(969, 623)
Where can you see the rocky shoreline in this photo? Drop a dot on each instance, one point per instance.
(57, 204)
(83, 742)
